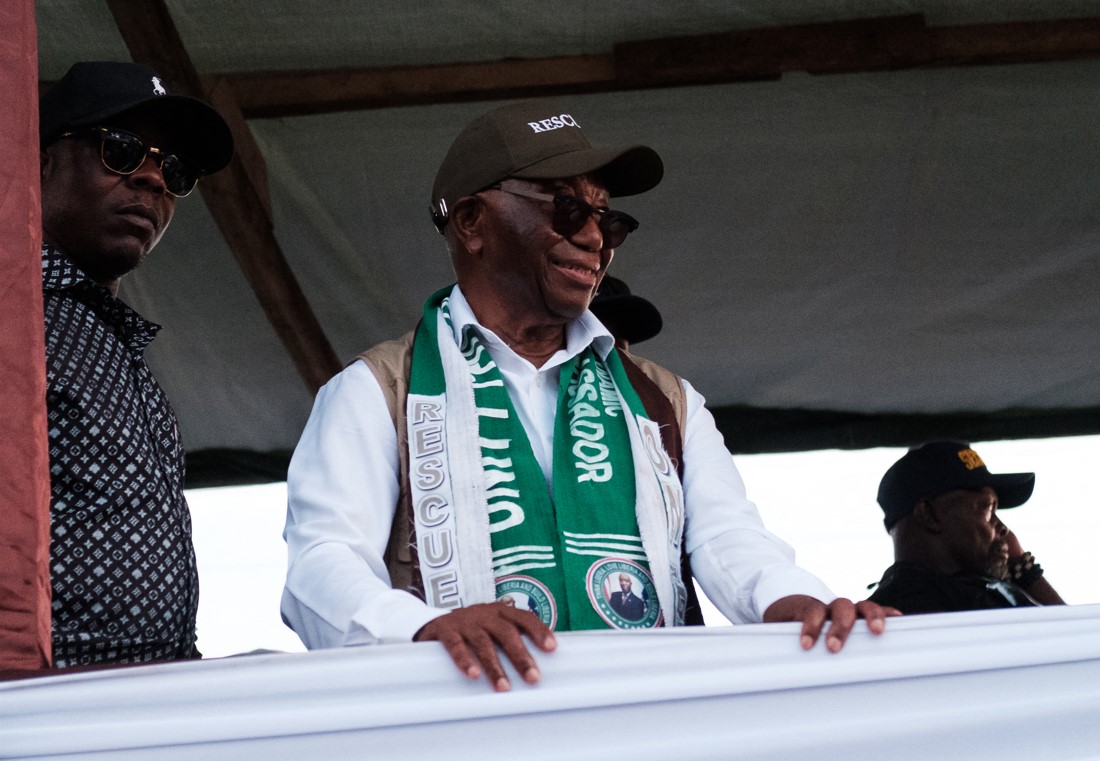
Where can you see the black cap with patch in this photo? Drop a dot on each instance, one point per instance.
(535, 141)
(92, 92)
(938, 467)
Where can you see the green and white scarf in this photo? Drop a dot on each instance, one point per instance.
(487, 526)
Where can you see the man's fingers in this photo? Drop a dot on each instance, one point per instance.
(875, 615)
(486, 653)
(810, 611)
(536, 631)
(842, 614)
(813, 619)
(451, 637)
(512, 645)
(472, 635)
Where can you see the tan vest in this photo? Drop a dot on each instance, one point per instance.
(661, 392)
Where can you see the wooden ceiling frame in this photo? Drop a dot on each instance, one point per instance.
(864, 45)
(238, 196)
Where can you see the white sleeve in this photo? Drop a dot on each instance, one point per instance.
(342, 491)
(741, 566)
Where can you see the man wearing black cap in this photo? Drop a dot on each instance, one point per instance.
(631, 319)
(505, 446)
(116, 152)
(951, 550)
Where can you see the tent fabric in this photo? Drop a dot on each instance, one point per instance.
(872, 245)
(24, 480)
(331, 34)
(999, 684)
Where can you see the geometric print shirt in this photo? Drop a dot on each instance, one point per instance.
(122, 564)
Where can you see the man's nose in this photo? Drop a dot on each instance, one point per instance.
(590, 236)
(149, 175)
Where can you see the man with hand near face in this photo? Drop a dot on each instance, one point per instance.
(116, 153)
(506, 446)
(951, 550)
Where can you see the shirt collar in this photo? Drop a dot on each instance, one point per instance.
(581, 333)
(59, 273)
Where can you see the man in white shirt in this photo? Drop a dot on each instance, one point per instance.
(505, 448)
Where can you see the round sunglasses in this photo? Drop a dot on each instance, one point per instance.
(571, 215)
(124, 152)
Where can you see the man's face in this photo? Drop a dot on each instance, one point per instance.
(105, 222)
(972, 532)
(547, 276)
(625, 584)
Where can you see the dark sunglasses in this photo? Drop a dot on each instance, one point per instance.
(571, 214)
(123, 152)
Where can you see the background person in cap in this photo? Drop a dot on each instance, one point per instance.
(631, 319)
(489, 448)
(116, 153)
(951, 550)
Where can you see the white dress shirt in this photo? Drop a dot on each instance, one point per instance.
(343, 489)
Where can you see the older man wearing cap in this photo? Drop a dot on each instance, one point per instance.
(505, 447)
(951, 550)
(116, 152)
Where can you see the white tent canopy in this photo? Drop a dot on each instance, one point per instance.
(866, 257)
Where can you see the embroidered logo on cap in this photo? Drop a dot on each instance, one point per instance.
(553, 123)
(970, 459)
(158, 88)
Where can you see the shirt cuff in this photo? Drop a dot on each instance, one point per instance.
(786, 582)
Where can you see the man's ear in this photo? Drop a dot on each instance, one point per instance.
(466, 220)
(927, 516)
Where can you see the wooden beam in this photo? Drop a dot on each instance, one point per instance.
(844, 46)
(238, 195)
(1021, 42)
(757, 54)
(322, 91)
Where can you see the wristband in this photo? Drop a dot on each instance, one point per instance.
(1023, 571)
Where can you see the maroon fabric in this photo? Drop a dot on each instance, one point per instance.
(24, 470)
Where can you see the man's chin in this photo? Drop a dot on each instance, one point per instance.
(122, 261)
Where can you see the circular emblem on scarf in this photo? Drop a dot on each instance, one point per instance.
(622, 592)
(524, 593)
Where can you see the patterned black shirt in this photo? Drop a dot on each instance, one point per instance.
(122, 566)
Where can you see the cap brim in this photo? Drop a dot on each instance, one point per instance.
(625, 171)
(1013, 489)
(634, 318)
(199, 131)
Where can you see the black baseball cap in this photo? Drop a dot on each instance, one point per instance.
(938, 467)
(92, 92)
(535, 140)
(625, 315)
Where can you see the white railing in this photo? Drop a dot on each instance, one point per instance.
(998, 685)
